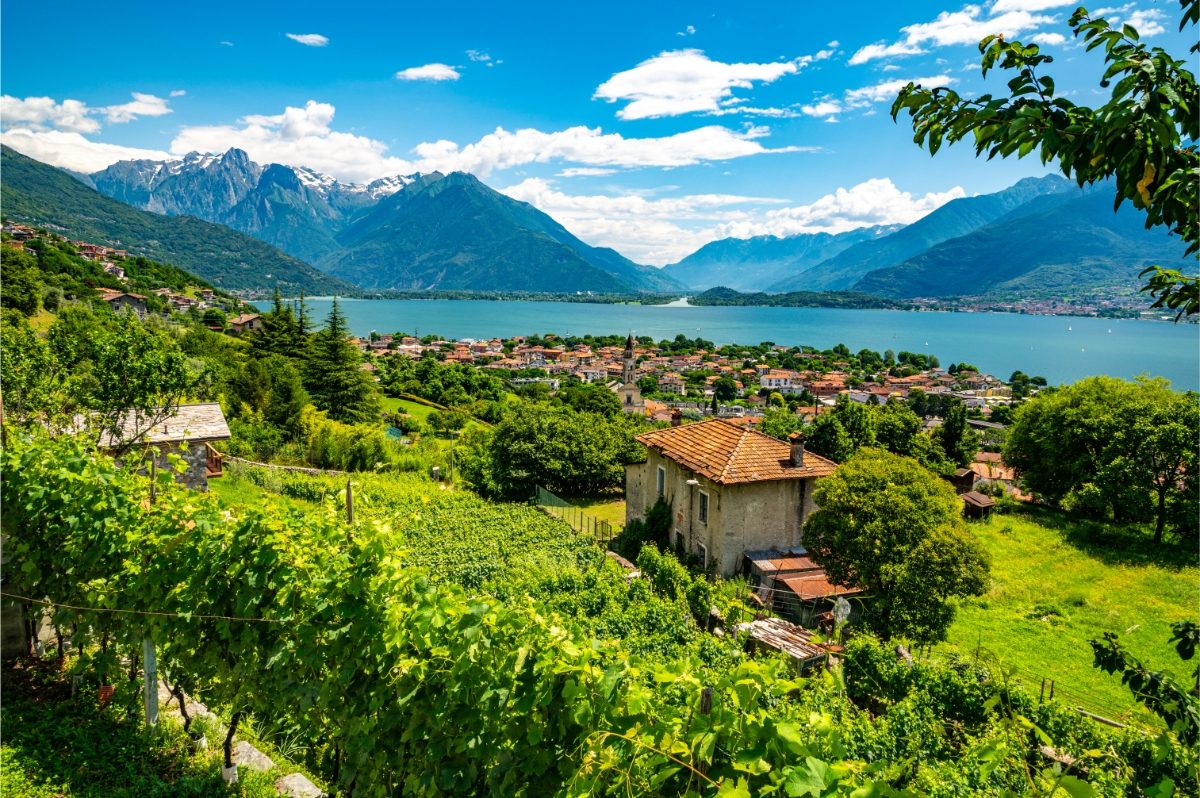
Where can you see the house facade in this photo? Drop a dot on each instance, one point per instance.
(731, 489)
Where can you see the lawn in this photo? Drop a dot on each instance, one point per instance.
(418, 411)
(1058, 583)
(604, 508)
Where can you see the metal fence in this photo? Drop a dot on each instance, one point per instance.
(601, 531)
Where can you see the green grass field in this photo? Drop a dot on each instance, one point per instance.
(418, 411)
(1058, 583)
(605, 508)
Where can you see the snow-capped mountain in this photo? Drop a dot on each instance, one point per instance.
(298, 209)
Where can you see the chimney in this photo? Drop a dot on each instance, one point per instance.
(676, 417)
(796, 439)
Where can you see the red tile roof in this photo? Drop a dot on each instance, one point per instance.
(728, 453)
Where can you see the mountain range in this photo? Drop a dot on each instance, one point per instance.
(1041, 236)
(31, 191)
(753, 264)
(421, 231)
(240, 224)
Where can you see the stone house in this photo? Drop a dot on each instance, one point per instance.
(245, 322)
(189, 433)
(732, 489)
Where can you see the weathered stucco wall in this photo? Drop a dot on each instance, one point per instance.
(749, 516)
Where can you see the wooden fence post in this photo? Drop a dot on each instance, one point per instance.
(349, 502)
(150, 684)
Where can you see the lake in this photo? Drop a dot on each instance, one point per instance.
(1059, 348)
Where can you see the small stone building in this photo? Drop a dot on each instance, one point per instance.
(189, 433)
(731, 489)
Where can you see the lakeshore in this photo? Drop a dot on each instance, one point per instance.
(1061, 348)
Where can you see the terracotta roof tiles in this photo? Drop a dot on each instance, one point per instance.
(729, 453)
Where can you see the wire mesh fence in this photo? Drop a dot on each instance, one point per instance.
(601, 531)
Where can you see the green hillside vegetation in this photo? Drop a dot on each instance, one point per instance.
(41, 195)
(1058, 582)
(797, 299)
(1091, 246)
(453, 232)
(956, 218)
(54, 271)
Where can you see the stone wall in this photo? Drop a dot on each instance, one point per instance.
(742, 517)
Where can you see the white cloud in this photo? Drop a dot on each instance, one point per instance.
(646, 229)
(874, 51)
(140, 105)
(428, 72)
(1053, 39)
(822, 108)
(965, 26)
(888, 89)
(1147, 21)
(586, 171)
(875, 201)
(309, 39)
(40, 113)
(503, 149)
(690, 30)
(682, 82)
(1002, 6)
(71, 150)
(177, 93)
(225, 43)
(660, 230)
(481, 57)
(304, 136)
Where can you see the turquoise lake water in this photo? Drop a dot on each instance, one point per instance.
(1060, 348)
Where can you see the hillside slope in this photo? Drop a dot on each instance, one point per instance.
(453, 232)
(955, 218)
(39, 194)
(1076, 246)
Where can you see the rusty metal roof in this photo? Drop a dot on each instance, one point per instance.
(812, 585)
(730, 454)
(780, 635)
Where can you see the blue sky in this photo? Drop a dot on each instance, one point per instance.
(649, 127)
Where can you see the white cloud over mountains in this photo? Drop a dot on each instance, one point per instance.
(75, 116)
(434, 72)
(660, 230)
(680, 82)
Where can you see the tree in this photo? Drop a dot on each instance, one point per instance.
(592, 399)
(1109, 448)
(26, 370)
(959, 441)
(857, 419)
(895, 427)
(781, 423)
(725, 389)
(280, 334)
(827, 437)
(333, 377)
(889, 526)
(139, 377)
(1144, 137)
(568, 452)
(21, 288)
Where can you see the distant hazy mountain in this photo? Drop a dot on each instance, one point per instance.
(1042, 248)
(753, 264)
(955, 218)
(416, 231)
(34, 192)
